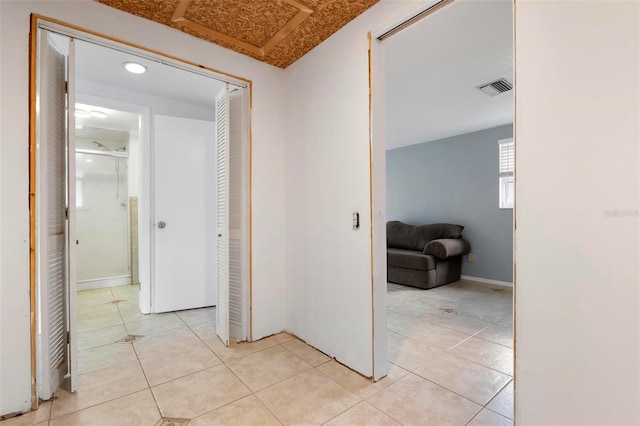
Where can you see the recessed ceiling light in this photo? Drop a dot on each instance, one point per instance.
(98, 114)
(135, 67)
(82, 113)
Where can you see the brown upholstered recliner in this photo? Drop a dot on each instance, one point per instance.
(424, 256)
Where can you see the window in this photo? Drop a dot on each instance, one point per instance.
(506, 179)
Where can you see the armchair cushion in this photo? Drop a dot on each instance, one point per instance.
(409, 237)
(410, 259)
(447, 247)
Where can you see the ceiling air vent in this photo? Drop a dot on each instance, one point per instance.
(496, 87)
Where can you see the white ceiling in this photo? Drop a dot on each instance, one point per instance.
(434, 66)
(105, 66)
(115, 127)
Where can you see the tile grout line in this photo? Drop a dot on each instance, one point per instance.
(252, 393)
(106, 401)
(135, 351)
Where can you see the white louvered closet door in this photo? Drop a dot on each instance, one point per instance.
(222, 220)
(52, 253)
(237, 271)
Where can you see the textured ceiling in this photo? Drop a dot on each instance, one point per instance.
(278, 32)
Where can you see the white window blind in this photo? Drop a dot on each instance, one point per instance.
(506, 172)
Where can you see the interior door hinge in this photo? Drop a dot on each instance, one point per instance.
(66, 87)
(68, 337)
(66, 212)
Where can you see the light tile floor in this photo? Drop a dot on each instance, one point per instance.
(450, 359)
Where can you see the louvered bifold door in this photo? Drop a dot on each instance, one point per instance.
(236, 205)
(51, 220)
(222, 219)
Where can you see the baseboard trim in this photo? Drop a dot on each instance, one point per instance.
(487, 281)
(92, 284)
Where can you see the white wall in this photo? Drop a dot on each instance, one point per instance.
(577, 195)
(268, 169)
(577, 323)
(329, 297)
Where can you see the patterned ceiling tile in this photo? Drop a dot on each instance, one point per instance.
(278, 32)
(252, 22)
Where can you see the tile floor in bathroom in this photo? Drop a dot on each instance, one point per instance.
(450, 359)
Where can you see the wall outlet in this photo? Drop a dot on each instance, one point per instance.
(471, 257)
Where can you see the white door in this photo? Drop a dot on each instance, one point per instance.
(55, 256)
(238, 215)
(184, 231)
(222, 209)
(232, 214)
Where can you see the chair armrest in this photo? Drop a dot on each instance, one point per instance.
(447, 247)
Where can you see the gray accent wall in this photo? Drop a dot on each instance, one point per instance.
(455, 180)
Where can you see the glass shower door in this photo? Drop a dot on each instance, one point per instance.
(102, 219)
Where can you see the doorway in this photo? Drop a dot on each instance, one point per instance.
(102, 176)
(106, 197)
(445, 132)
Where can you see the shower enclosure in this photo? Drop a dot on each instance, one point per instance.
(102, 216)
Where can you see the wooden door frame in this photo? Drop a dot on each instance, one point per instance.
(39, 21)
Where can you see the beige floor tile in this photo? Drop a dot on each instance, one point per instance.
(306, 352)
(194, 316)
(91, 321)
(282, 337)
(310, 398)
(155, 344)
(362, 414)
(177, 363)
(101, 308)
(456, 322)
(466, 378)
(507, 321)
(156, 325)
(396, 297)
(194, 395)
(41, 415)
(503, 402)
(397, 322)
(408, 353)
(237, 350)
(413, 400)
(265, 368)
(358, 384)
(489, 418)
(100, 337)
(248, 411)
(489, 312)
(130, 312)
(417, 309)
(497, 334)
(437, 337)
(489, 354)
(100, 386)
(94, 297)
(136, 409)
(105, 356)
(393, 286)
(128, 292)
(204, 330)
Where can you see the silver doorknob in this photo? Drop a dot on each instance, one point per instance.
(161, 224)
